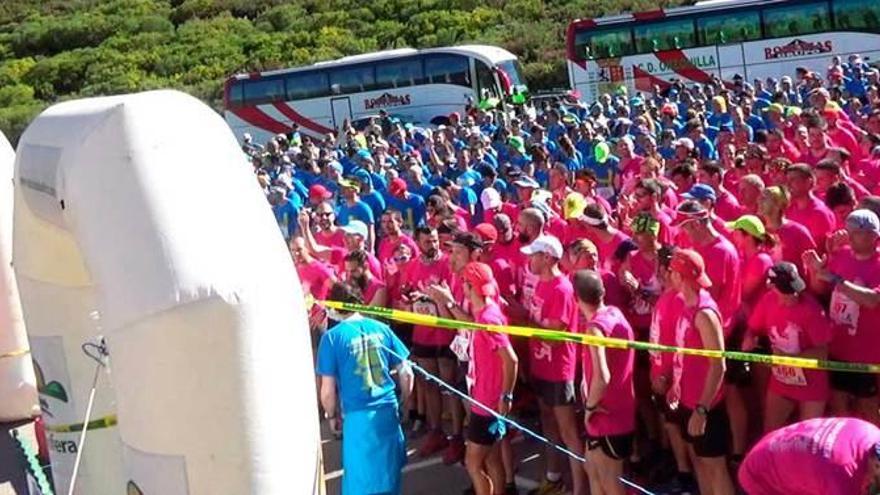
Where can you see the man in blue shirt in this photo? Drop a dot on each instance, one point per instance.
(285, 211)
(411, 206)
(370, 196)
(353, 208)
(355, 360)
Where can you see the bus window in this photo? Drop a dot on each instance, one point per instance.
(666, 35)
(447, 69)
(236, 93)
(306, 85)
(603, 43)
(857, 14)
(792, 20)
(399, 73)
(486, 85)
(722, 29)
(263, 91)
(345, 80)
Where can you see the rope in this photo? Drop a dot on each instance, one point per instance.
(504, 419)
(97, 352)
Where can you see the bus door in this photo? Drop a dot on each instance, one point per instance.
(341, 109)
(730, 61)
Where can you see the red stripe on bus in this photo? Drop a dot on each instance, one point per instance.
(679, 63)
(257, 118)
(295, 116)
(645, 81)
(569, 41)
(651, 14)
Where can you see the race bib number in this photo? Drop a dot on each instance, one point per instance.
(459, 346)
(543, 351)
(790, 376)
(425, 308)
(844, 311)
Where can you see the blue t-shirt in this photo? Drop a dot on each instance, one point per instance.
(285, 214)
(352, 352)
(604, 171)
(707, 149)
(467, 197)
(412, 208)
(375, 201)
(360, 211)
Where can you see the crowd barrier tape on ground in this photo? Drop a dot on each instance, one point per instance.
(561, 336)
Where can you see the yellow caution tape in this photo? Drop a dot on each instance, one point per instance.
(558, 335)
(105, 422)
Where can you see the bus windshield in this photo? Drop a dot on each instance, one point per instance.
(513, 71)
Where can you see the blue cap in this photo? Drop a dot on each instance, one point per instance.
(335, 165)
(356, 227)
(700, 192)
(363, 176)
(635, 101)
(364, 154)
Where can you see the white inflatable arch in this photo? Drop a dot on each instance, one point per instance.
(18, 388)
(137, 218)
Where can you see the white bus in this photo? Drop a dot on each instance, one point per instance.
(756, 39)
(418, 86)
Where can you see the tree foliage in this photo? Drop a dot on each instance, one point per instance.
(59, 49)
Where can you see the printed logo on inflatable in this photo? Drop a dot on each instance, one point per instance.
(52, 389)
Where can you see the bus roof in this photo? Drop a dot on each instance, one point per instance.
(699, 7)
(492, 54)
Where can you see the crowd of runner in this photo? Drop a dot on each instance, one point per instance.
(727, 215)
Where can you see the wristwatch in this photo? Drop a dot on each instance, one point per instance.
(450, 305)
(507, 397)
(702, 410)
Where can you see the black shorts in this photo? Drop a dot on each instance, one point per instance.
(554, 393)
(403, 331)
(716, 440)
(738, 372)
(662, 406)
(859, 385)
(432, 352)
(484, 430)
(617, 447)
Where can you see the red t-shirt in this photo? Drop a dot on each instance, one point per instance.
(664, 320)
(485, 367)
(794, 240)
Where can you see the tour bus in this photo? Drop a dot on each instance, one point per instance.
(752, 38)
(418, 86)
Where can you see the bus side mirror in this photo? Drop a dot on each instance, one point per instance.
(334, 88)
(722, 37)
(655, 45)
(676, 42)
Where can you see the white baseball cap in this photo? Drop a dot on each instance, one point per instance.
(546, 244)
(490, 198)
(356, 227)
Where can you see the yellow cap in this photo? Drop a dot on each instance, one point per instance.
(573, 206)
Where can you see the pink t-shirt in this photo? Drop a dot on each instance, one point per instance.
(855, 336)
(723, 267)
(754, 271)
(418, 275)
(314, 277)
(823, 456)
(727, 207)
(553, 300)
(387, 246)
(373, 286)
(689, 372)
(641, 304)
(816, 217)
(619, 399)
(331, 239)
(607, 248)
(485, 367)
(794, 240)
(792, 330)
(664, 320)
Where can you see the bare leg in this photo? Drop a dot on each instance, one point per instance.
(739, 418)
(474, 459)
(448, 373)
(551, 431)
(433, 402)
(812, 409)
(778, 410)
(568, 430)
(495, 469)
